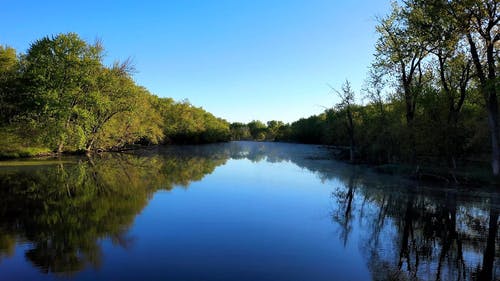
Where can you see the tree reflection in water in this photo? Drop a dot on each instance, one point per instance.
(64, 210)
(418, 233)
(410, 232)
(407, 232)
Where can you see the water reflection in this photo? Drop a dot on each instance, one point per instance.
(411, 232)
(420, 233)
(404, 231)
(64, 210)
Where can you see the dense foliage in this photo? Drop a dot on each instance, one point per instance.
(430, 96)
(61, 97)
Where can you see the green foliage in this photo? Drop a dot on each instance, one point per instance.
(433, 76)
(310, 130)
(258, 131)
(425, 90)
(239, 131)
(187, 124)
(276, 130)
(60, 95)
(9, 71)
(13, 146)
(59, 76)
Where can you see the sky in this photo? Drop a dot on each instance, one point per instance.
(241, 60)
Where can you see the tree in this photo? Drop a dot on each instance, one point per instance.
(346, 95)
(450, 61)
(400, 54)
(274, 129)
(479, 21)
(59, 77)
(185, 123)
(239, 131)
(121, 112)
(257, 130)
(9, 74)
(378, 131)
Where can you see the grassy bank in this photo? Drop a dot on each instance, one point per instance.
(12, 146)
(24, 152)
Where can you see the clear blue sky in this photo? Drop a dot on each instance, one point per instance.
(239, 59)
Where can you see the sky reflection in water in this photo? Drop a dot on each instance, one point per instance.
(241, 210)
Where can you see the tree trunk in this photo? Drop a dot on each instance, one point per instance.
(352, 144)
(90, 145)
(487, 82)
(351, 135)
(60, 147)
(410, 117)
(491, 91)
(495, 144)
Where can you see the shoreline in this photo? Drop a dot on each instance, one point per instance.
(472, 175)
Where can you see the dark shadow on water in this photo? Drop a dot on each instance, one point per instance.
(64, 210)
(407, 231)
(417, 232)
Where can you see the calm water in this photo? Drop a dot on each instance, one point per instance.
(238, 211)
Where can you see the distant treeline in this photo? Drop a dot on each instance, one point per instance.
(430, 96)
(59, 96)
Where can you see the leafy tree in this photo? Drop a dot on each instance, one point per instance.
(400, 54)
(239, 131)
(59, 77)
(347, 101)
(274, 130)
(257, 130)
(60, 95)
(479, 21)
(9, 74)
(185, 124)
(122, 112)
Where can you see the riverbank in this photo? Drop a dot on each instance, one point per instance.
(13, 147)
(476, 174)
(470, 175)
(25, 152)
(467, 173)
(39, 152)
(216, 196)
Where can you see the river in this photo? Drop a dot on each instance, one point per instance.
(238, 211)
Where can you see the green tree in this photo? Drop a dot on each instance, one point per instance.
(121, 113)
(185, 124)
(59, 76)
(9, 78)
(239, 131)
(464, 33)
(274, 130)
(347, 100)
(400, 54)
(479, 21)
(257, 129)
